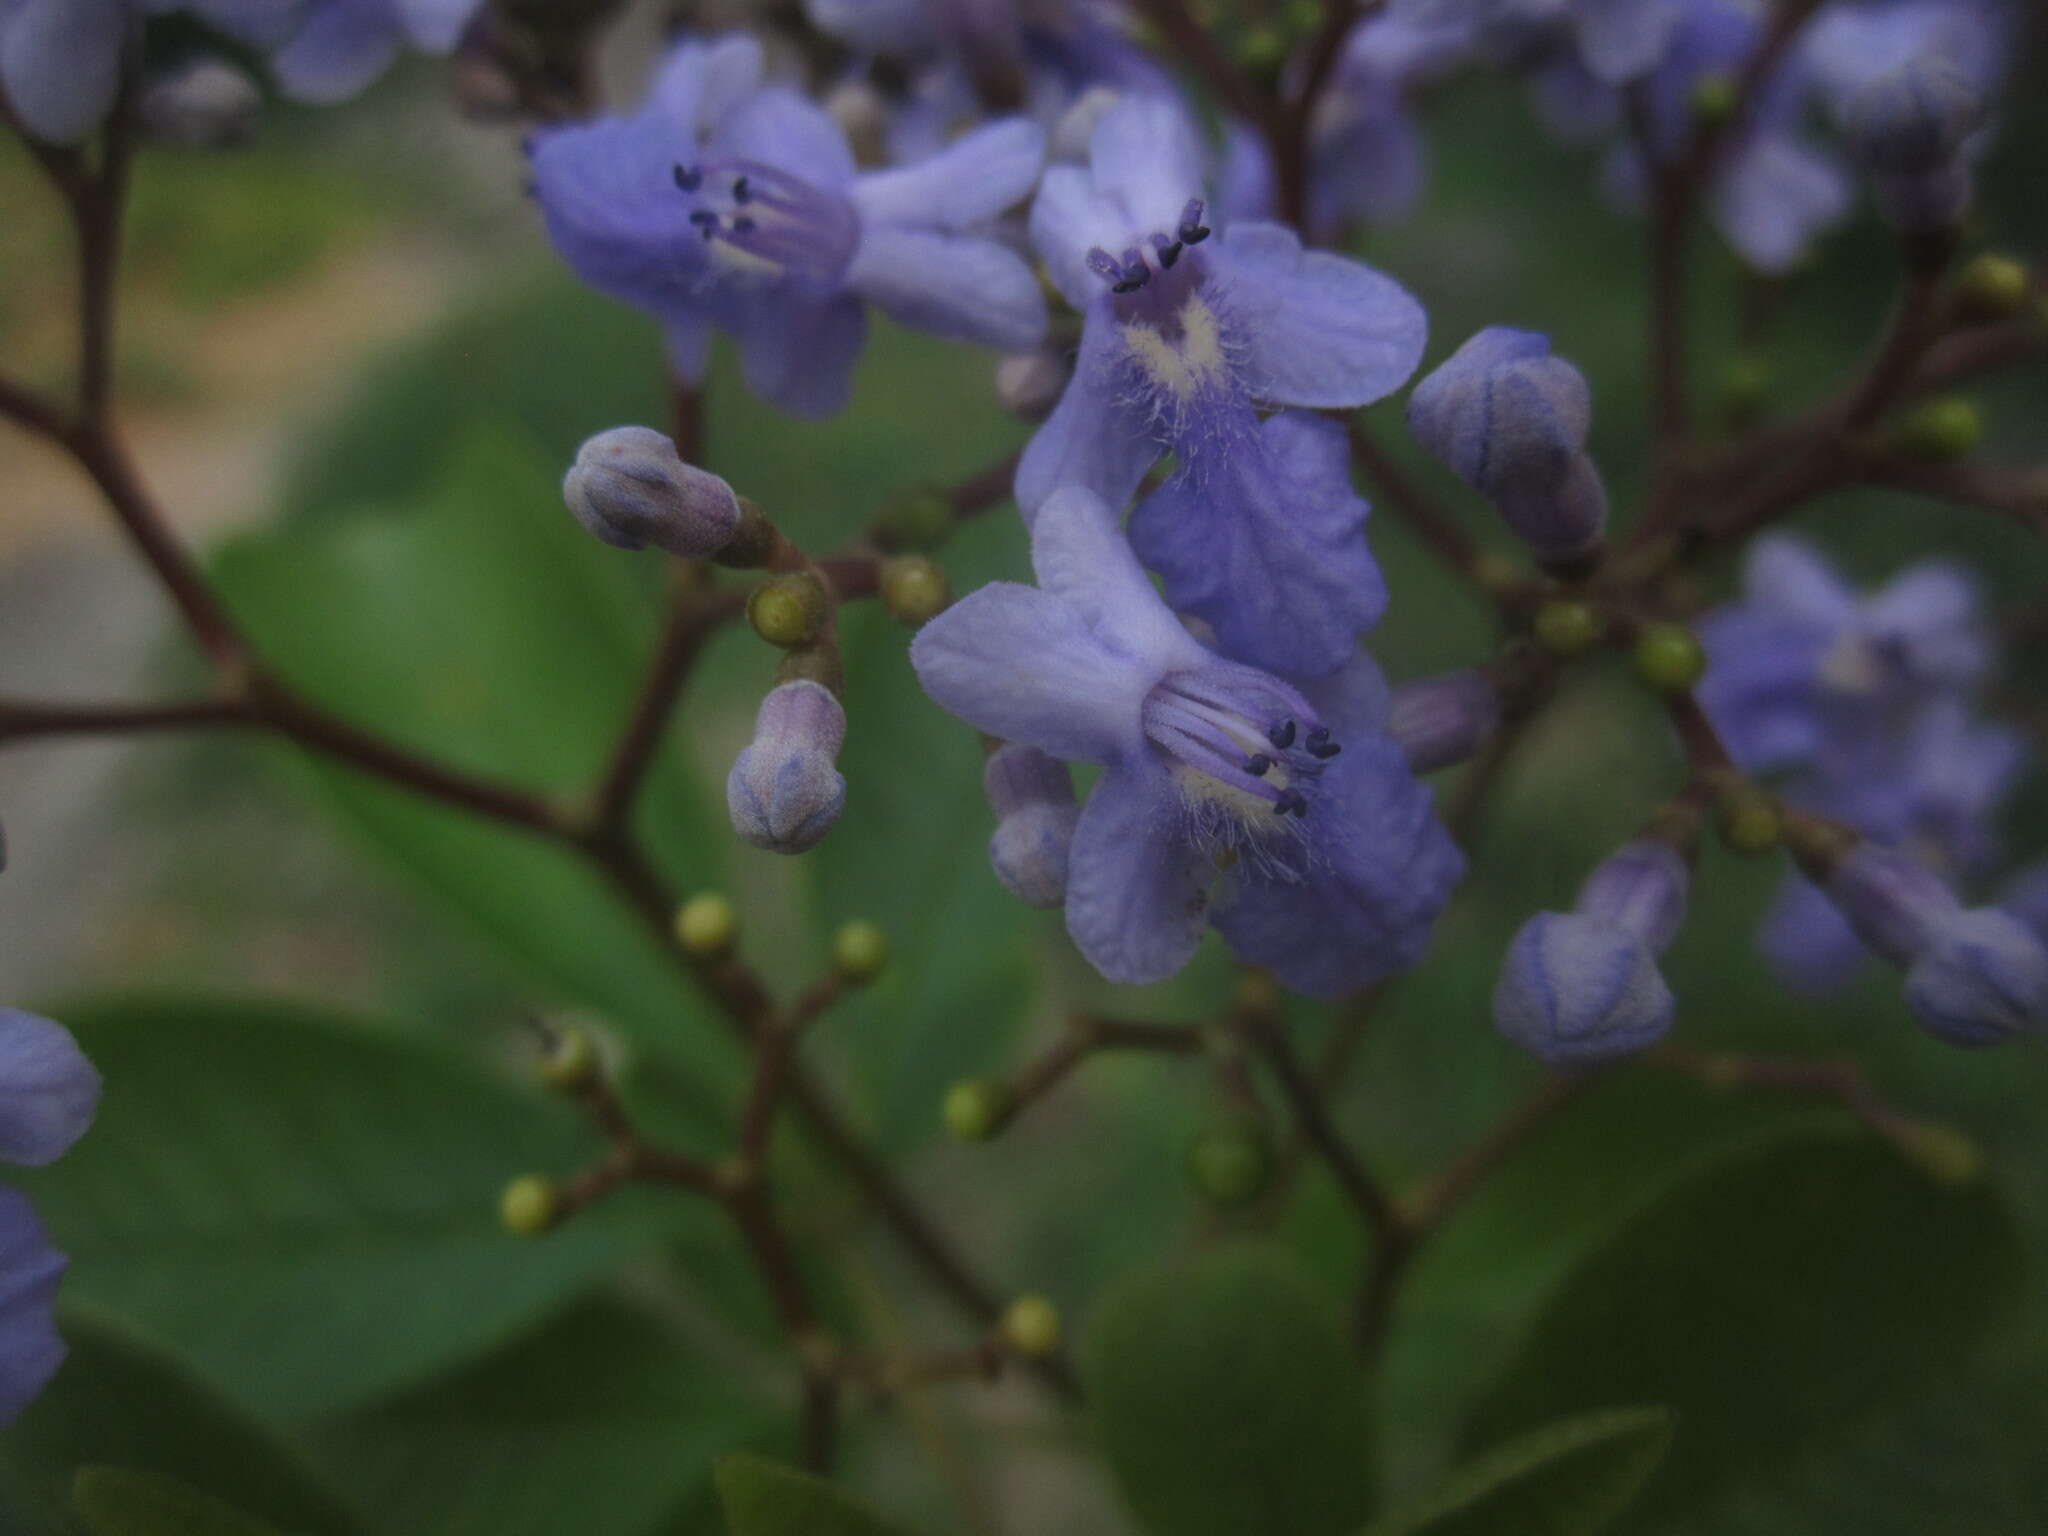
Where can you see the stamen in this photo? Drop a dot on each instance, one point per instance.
(689, 178)
(740, 191)
(1319, 744)
(1192, 230)
(1135, 273)
(742, 225)
(1257, 764)
(1104, 265)
(705, 220)
(1291, 802)
(1169, 251)
(1281, 735)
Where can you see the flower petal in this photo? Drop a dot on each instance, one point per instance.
(1807, 943)
(798, 353)
(60, 62)
(968, 182)
(434, 25)
(1776, 198)
(1145, 155)
(1083, 558)
(1623, 40)
(1136, 889)
(780, 128)
(344, 45)
(962, 287)
(1069, 218)
(1269, 548)
(30, 1350)
(1317, 329)
(48, 1090)
(1023, 665)
(1094, 437)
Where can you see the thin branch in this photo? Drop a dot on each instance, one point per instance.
(2021, 494)
(36, 413)
(1293, 124)
(1088, 1035)
(1267, 1035)
(25, 719)
(1842, 1081)
(1191, 40)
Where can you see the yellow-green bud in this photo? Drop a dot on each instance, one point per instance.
(1941, 429)
(529, 1205)
(975, 1108)
(860, 951)
(706, 925)
(1497, 573)
(1031, 1327)
(571, 1061)
(1669, 658)
(1263, 50)
(1991, 287)
(1745, 385)
(914, 588)
(1944, 1153)
(1229, 1162)
(1713, 98)
(788, 610)
(1567, 627)
(1749, 821)
(917, 517)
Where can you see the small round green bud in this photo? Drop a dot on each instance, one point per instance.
(914, 588)
(1944, 428)
(1304, 17)
(1263, 50)
(570, 1062)
(706, 925)
(1031, 1327)
(1229, 1162)
(788, 610)
(860, 950)
(975, 1108)
(1497, 573)
(917, 517)
(1990, 287)
(1713, 98)
(1750, 823)
(1942, 1152)
(1745, 385)
(1669, 658)
(529, 1205)
(1567, 627)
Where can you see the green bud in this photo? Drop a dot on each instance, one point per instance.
(1229, 1162)
(1713, 98)
(1669, 658)
(1749, 821)
(1745, 385)
(706, 925)
(975, 1108)
(1031, 1327)
(572, 1061)
(1944, 428)
(860, 951)
(1942, 1152)
(1498, 574)
(914, 588)
(1567, 627)
(1263, 50)
(529, 1205)
(917, 517)
(788, 610)
(1990, 287)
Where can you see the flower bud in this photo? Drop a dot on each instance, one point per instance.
(784, 793)
(1991, 287)
(975, 1108)
(204, 103)
(1938, 430)
(1982, 978)
(529, 1205)
(1031, 1327)
(1510, 420)
(1749, 821)
(860, 951)
(1032, 795)
(630, 488)
(788, 610)
(1914, 120)
(916, 517)
(571, 1061)
(1230, 1161)
(1669, 657)
(1575, 990)
(914, 588)
(1641, 887)
(1567, 627)
(1029, 384)
(1893, 901)
(1442, 720)
(706, 925)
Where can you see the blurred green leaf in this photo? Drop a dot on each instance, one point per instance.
(600, 1422)
(484, 626)
(1227, 1401)
(115, 1501)
(1774, 1299)
(307, 1205)
(122, 1400)
(765, 1498)
(1571, 1478)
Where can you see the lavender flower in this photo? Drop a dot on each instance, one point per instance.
(1618, 40)
(1295, 800)
(1032, 795)
(48, 1094)
(725, 203)
(343, 45)
(630, 488)
(1442, 720)
(1188, 330)
(1583, 986)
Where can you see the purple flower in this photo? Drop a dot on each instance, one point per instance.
(783, 792)
(1618, 40)
(2026, 897)
(48, 1094)
(724, 203)
(1032, 795)
(1510, 420)
(1442, 720)
(630, 488)
(343, 45)
(1583, 986)
(1188, 331)
(1293, 800)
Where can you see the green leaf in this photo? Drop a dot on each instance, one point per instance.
(1226, 1399)
(308, 1205)
(600, 1421)
(1567, 1479)
(1773, 1299)
(115, 1501)
(765, 1498)
(481, 625)
(123, 1400)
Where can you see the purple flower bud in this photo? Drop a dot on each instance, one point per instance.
(1442, 720)
(1923, 202)
(783, 792)
(1028, 384)
(1893, 901)
(1640, 887)
(1913, 120)
(203, 104)
(630, 488)
(1510, 420)
(1032, 795)
(1575, 990)
(48, 1090)
(1982, 978)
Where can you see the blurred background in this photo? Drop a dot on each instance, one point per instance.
(354, 373)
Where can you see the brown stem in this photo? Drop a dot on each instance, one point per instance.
(986, 488)
(1704, 749)
(1087, 1035)
(1291, 126)
(1431, 525)
(1842, 1081)
(24, 719)
(1188, 38)
(1267, 1035)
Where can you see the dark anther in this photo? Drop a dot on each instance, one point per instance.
(705, 220)
(1257, 764)
(1281, 735)
(1192, 230)
(1169, 250)
(688, 178)
(1135, 273)
(740, 193)
(1102, 264)
(1291, 802)
(742, 225)
(1319, 743)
